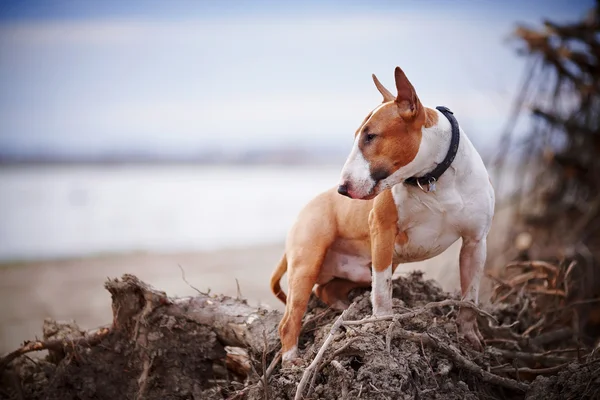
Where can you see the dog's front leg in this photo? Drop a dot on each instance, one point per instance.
(472, 260)
(382, 251)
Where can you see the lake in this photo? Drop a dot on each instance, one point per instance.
(68, 211)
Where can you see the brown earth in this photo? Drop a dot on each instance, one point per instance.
(161, 348)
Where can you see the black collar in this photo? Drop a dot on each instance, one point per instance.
(430, 178)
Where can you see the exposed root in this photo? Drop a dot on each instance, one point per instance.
(427, 307)
(143, 379)
(88, 340)
(315, 362)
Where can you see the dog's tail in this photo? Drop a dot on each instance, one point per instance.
(276, 278)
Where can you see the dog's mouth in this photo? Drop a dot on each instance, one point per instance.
(371, 194)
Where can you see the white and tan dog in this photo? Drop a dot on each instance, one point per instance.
(387, 216)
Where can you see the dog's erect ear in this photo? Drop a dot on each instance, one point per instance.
(407, 97)
(387, 95)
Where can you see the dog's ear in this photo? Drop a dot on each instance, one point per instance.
(387, 95)
(407, 97)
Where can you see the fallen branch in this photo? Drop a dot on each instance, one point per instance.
(315, 362)
(427, 307)
(88, 340)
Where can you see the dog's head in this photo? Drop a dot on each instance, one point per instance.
(387, 140)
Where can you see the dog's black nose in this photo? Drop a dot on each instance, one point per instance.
(343, 189)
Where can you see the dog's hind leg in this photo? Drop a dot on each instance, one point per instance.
(472, 260)
(303, 271)
(335, 292)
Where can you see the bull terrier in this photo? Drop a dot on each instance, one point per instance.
(412, 185)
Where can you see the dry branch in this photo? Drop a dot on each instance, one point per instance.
(88, 340)
(312, 368)
(424, 309)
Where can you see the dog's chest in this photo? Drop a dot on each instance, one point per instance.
(428, 223)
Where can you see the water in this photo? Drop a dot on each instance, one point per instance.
(66, 211)
(69, 211)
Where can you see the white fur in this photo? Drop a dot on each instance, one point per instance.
(462, 206)
(357, 170)
(290, 355)
(346, 265)
(381, 294)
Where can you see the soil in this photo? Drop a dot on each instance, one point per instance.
(160, 348)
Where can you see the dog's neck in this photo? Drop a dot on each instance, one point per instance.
(435, 142)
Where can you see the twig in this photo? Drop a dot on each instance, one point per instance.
(506, 296)
(534, 371)
(571, 350)
(274, 363)
(315, 362)
(526, 277)
(459, 359)
(338, 352)
(570, 269)
(542, 290)
(535, 357)
(345, 346)
(534, 326)
(239, 291)
(534, 264)
(346, 374)
(429, 364)
(511, 342)
(388, 336)
(88, 340)
(523, 309)
(189, 284)
(265, 378)
(425, 308)
(143, 379)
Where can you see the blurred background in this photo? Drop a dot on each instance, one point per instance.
(182, 137)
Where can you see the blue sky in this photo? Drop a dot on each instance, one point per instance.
(184, 76)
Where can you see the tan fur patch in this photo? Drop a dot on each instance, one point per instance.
(396, 142)
(383, 223)
(401, 238)
(390, 136)
(431, 118)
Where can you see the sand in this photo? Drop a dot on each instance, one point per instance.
(73, 289)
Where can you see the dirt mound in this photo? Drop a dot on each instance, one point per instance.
(215, 347)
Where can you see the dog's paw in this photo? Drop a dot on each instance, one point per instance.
(292, 363)
(468, 329)
(382, 311)
(290, 358)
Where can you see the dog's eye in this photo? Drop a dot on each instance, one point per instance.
(369, 137)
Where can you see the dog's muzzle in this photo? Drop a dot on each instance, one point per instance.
(343, 190)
